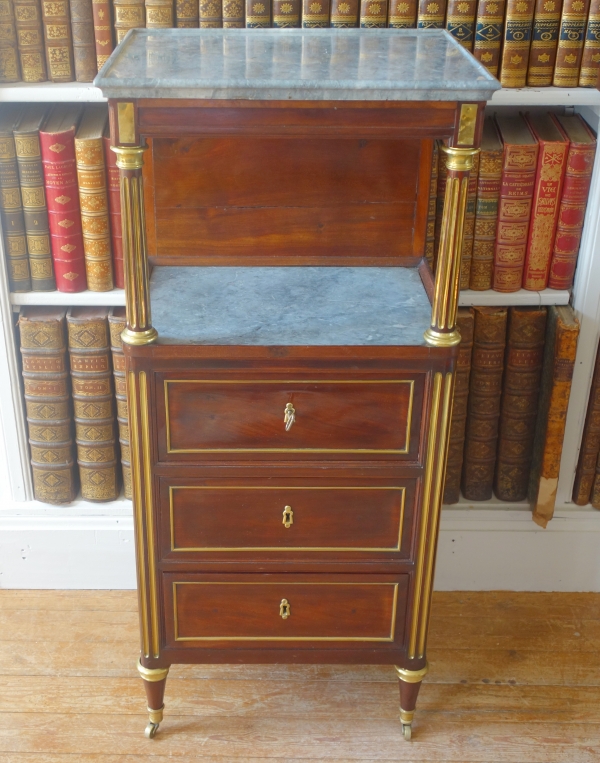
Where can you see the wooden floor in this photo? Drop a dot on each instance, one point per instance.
(514, 677)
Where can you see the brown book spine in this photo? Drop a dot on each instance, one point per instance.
(469, 227)
(84, 42)
(590, 60)
(187, 13)
(373, 13)
(211, 14)
(129, 14)
(286, 14)
(159, 13)
(431, 15)
(518, 413)
(48, 403)
(570, 43)
(483, 411)
(103, 31)
(58, 40)
(258, 14)
(116, 324)
(30, 40)
(486, 217)
(233, 14)
(91, 377)
(344, 13)
(517, 40)
(433, 189)
(10, 71)
(460, 21)
(590, 443)
(560, 347)
(489, 27)
(402, 14)
(466, 322)
(544, 42)
(114, 204)
(315, 14)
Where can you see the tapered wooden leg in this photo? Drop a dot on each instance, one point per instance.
(410, 683)
(155, 681)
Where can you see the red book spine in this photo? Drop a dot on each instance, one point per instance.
(64, 216)
(114, 205)
(578, 177)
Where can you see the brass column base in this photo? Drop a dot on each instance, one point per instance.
(442, 338)
(138, 338)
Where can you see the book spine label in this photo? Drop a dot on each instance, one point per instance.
(460, 21)
(544, 41)
(11, 214)
(344, 13)
(431, 212)
(315, 14)
(570, 43)
(84, 42)
(590, 443)
(117, 323)
(286, 13)
(486, 219)
(571, 214)
(103, 39)
(402, 15)
(93, 198)
(489, 25)
(187, 14)
(469, 227)
(114, 203)
(233, 14)
(590, 60)
(431, 15)
(10, 71)
(517, 40)
(258, 14)
(159, 13)
(129, 14)
(58, 40)
(30, 40)
(514, 212)
(373, 14)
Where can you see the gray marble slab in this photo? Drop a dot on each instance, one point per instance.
(295, 64)
(289, 306)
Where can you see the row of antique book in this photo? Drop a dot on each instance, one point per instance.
(526, 203)
(587, 476)
(522, 42)
(60, 199)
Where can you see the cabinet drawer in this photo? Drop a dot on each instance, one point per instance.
(284, 608)
(280, 418)
(203, 519)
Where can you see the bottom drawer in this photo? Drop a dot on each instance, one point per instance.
(284, 608)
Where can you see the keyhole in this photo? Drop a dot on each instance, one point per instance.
(284, 609)
(288, 517)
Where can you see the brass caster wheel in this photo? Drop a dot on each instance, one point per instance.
(406, 731)
(151, 730)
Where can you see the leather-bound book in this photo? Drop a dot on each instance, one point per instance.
(590, 60)
(402, 14)
(48, 403)
(570, 43)
(465, 321)
(84, 41)
(57, 141)
(11, 207)
(431, 15)
(315, 14)
(460, 21)
(233, 14)
(10, 71)
(103, 31)
(552, 163)
(520, 394)
(373, 13)
(58, 40)
(517, 39)
(544, 42)
(590, 443)
(187, 14)
(562, 333)
(486, 210)
(483, 410)
(93, 197)
(469, 227)
(595, 492)
(30, 40)
(286, 13)
(519, 163)
(573, 202)
(211, 14)
(489, 27)
(114, 205)
(159, 13)
(344, 13)
(258, 14)
(116, 324)
(35, 212)
(91, 377)
(430, 238)
(129, 14)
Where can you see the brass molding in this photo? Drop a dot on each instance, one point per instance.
(467, 124)
(406, 716)
(156, 716)
(411, 676)
(458, 159)
(139, 338)
(152, 674)
(126, 121)
(129, 157)
(442, 338)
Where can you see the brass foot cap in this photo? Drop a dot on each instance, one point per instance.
(441, 338)
(138, 338)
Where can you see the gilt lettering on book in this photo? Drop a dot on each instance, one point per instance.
(460, 21)
(590, 442)
(570, 43)
(84, 43)
(344, 13)
(402, 14)
(103, 31)
(286, 14)
(187, 14)
(517, 40)
(159, 13)
(489, 26)
(590, 60)
(258, 14)
(544, 42)
(129, 14)
(10, 71)
(431, 15)
(117, 323)
(30, 40)
(373, 13)
(58, 40)
(315, 14)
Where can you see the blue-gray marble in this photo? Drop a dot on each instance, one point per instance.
(289, 306)
(295, 64)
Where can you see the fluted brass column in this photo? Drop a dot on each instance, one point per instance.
(139, 328)
(443, 332)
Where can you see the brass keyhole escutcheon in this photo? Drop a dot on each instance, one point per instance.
(288, 516)
(289, 416)
(284, 609)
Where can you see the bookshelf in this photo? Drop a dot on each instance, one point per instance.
(105, 531)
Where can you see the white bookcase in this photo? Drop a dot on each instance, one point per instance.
(487, 545)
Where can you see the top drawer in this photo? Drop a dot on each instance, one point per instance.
(274, 418)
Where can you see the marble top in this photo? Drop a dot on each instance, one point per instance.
(289, 306)
(295, 64)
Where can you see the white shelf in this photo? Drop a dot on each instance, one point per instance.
(490, 298)
(114, 298)
(546, 96)
(51, 92)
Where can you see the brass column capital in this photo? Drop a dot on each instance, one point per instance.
(152, 674)
(411, 676)
(129, 157)
(460, 159)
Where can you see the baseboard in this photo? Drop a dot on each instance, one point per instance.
(478, 550)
